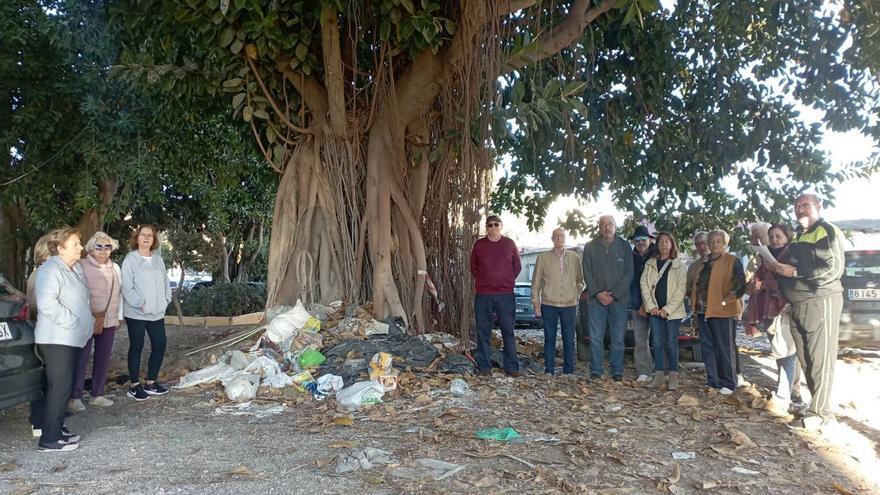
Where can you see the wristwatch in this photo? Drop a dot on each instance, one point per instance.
(794, 273)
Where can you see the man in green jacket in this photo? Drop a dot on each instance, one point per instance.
(810, 281)
(557, 282)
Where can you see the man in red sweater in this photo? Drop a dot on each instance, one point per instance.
(495, 265)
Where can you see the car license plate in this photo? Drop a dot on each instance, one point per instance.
(856, 294)
(5, 331)
(520, 310)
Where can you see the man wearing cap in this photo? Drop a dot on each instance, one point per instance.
(810, 281)
(643, 248)
(608, 271)
(495, 265)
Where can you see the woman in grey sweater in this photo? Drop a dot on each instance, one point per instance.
(146, 293)
(64, 325)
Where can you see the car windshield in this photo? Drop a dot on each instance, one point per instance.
(522, 291)
(863, 264)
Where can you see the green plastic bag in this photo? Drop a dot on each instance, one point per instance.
(310, 358)
(500, 434)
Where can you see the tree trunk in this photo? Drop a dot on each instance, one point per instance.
(14, 245)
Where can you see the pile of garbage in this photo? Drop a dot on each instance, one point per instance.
(326, 351)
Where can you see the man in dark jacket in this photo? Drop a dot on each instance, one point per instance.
(810, 281)
(608, 271)
(643, 248)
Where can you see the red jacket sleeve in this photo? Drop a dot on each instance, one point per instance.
(517, 265)
(474, 255)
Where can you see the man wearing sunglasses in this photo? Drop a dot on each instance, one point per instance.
(495, 265)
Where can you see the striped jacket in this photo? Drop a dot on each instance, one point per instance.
(817, 254)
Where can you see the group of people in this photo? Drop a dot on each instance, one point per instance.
(80, 302)
(793, 283)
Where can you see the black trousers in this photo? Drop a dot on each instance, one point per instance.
(158, 341)
(817, 325)
(48, 413)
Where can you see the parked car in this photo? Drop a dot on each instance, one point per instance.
(21, 371)
(202, 284)
(525, 313)
(860, 319)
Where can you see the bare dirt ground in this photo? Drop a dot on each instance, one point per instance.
(585, 437)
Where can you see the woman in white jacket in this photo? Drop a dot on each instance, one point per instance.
(663, 287)
(146, 293)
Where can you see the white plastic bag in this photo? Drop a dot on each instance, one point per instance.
(360, 393)
(279, 380)
(329, 384)
(242, 387)
(263, 366)
(288, 323)
(213, 373)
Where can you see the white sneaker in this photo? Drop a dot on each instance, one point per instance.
(741, 382)
(643, 378)
(101, 401)
(725, 391)
(75, 406)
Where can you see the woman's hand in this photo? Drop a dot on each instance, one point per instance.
(663, 314)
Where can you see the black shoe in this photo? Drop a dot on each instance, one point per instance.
(484, 372)
(59, 446)
(155, 388)
(68, 437)
(137, 393)
(618, 378)
(594, 376)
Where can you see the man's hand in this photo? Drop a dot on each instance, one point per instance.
(538, 310)
(605, 297)
(785, 270)
(655, 312)
(585, 296)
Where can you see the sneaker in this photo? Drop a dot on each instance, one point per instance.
(484, 372)
(75, 406)
(569, 377)
(137, 393)
(741, 382)
(101, 401)
(155, 388)
(725, 391)
(59, 446)
(513, 374)
(68, 437)
(643, 378)
(808, 424)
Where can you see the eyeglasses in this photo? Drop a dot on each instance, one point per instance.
(103, 247)
(493, 224)
(146, 236)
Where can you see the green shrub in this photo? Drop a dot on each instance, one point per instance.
(222, 300)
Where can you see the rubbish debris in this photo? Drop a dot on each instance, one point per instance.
(499, 434)
(374, 327)
(251, 409)
(680, 456)
(242, 387)
(428, 468)
(380, 370)
(329, 384)
(364, 459)
(742, 470)
(279, 380)
(310, 358)
(361, 393)
(459, 387)
(285, 324)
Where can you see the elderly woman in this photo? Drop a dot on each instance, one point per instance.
(663, 286)
(64, 325)
(717, 294)
(146, 293)
(104, 280)
(768, 311)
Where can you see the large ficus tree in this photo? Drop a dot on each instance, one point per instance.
(383, 118)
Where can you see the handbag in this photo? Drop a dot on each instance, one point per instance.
(99, 317)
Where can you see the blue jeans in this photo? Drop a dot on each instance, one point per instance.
(612, 318)
(664, 335)
(789, 378)
(486, 306)
(555, 316)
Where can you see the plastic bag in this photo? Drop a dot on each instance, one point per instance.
(500, 434)
(279, 380)
(329, 384)
(288, 323)
(361, 393)
(213, 373)
(310, 358)
(459, 387)
(242, 387)
(263, 366)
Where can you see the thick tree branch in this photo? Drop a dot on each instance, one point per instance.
(510, 6)
(563, 35)
(333, 76)
(281, 115)
(312, 92)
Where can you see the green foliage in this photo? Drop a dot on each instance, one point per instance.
(692, 118)
(230, 299)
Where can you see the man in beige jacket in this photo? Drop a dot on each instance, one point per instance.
(557, 282)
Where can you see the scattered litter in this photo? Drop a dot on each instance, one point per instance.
(680, 456)
(364, 459)
(612, 430)
(428, 468)
(375, 328)
(285, 324)
(250, 409)
(499, 434)
(280, 380)
(242, 387)
(361, 393)
(310, 358)
(459, 387)
(329, 384)
(742, 470)
(380, 370)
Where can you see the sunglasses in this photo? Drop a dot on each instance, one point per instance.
(103, 247)
(493, 224)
